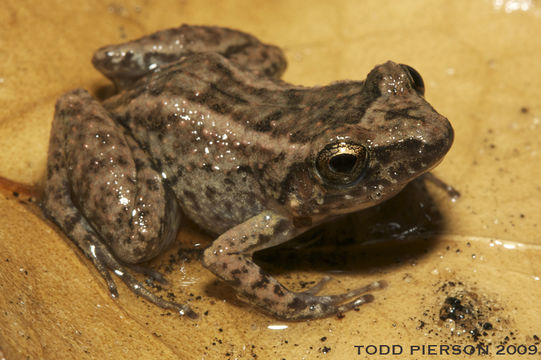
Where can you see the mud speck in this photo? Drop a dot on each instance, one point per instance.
(462, 313)
(465, 314)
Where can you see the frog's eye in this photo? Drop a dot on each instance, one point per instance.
(342, 164)
(417, 81)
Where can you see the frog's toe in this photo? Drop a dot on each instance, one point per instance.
(105, 262)
(452, 193)
(139, 289)
(318, 287)
(307, 305)
(336, 299)
(365, 299)
(343, 297)
(152, 274)
(350, 294)
(104, 272)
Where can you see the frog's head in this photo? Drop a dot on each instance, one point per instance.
(397, 138)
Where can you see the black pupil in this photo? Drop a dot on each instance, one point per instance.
(343, 163)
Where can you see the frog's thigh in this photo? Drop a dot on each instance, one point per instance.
(125, 63)
(111, 180)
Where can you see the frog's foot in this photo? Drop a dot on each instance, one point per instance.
(152, 274)
(317, 287)
(307, 305)
(323, 282)
(105, 262)
(453, 193)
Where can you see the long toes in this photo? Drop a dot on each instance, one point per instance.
(189, 312)
(105, 261)
(142, 291)
(365, 299)
(318, 287)
(103, 269)
(112, 287)
(153, 274)
(337, 299)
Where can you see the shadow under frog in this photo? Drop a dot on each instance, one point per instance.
(381, 237)
(203, 128)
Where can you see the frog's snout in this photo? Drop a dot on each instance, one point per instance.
(438, 140)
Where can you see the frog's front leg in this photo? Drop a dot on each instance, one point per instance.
(102, 190)
(230, 258)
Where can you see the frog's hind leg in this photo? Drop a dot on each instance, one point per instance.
(125, 63)
(96, 190)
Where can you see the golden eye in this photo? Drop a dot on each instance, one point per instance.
(342, 163)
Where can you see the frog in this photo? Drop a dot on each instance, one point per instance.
(203, 127)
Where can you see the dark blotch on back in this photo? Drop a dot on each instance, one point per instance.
(210, 192)
(265, 124)
(191, 197)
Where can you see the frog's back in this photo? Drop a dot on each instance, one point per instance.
(230, 134)
(194, 118)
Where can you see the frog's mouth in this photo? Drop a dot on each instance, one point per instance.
(418, 153)
(402, 164)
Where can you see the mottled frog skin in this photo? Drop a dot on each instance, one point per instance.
(202, 127)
